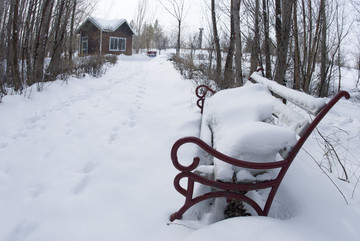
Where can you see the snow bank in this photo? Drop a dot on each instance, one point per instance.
(89, 161)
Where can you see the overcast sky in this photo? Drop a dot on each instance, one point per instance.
(127, 8)
(195, 18)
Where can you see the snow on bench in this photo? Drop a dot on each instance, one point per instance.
(307, 102)
(248, 139)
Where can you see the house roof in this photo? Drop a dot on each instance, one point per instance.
(107, 25)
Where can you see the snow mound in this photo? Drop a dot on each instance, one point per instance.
(236, 118)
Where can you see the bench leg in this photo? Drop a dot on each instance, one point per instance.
(189, 192)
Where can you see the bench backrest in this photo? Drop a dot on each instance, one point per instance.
(317, 107)
(287, 115)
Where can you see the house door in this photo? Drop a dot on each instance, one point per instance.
(84, 45)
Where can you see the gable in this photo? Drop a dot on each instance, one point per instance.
(107, 25)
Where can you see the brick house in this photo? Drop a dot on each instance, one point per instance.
(102, 36)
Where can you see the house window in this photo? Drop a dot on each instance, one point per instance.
(84, 45)
(117, 44)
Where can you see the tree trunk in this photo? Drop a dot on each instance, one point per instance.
(238, 47)
(41, 41)
(358, 79)
(228, 72)
(296, 51)
(178, 38)
(313, 50)
(14, 46)
(72, 30)
(255, 50)
(278, 23)
(217, 42)
(323, 89)
(283, 44)
(30, 43)
(56, 66)
(268, 73)
(2, 41)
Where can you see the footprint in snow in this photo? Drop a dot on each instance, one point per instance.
(132, 119)
(82, 184)
(140, 94)
(36, 190)
(3, 145)
(23, 230)
(89, 167)
(113, 137)
(131, 122)
(80, 116)
(32, 123)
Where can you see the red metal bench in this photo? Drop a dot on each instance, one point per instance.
(151, 53)
(237, 190)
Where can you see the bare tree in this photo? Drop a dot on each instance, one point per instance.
(268, 72)
(176, 9)
(14, 10)
(283, 33)
(312, 45)
(358, 65)
(356, 5)
(296, 51)
(159, 37)
(255, 48)
(238, 45)
(72, 25)
(216, 41)
(139, 21)
(56, 65)
(228, 69)
(147, 35)
(323, 86)
(193, 44)
(32, 30)
(41, 41)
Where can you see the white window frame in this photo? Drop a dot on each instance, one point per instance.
(83, 40)
(117, 43)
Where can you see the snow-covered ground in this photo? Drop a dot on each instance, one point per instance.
(89, 160)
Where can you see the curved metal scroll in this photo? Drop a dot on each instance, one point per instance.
(228, 190)
(201, 95)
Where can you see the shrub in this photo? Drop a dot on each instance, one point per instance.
(94, 64)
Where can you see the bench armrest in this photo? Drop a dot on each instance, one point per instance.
(201, 93)
(218, 155)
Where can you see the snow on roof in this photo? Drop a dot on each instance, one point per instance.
(107, 24)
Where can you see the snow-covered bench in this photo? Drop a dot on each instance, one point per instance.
(248, 139)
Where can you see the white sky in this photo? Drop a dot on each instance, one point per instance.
(194, 20)
(127, 9)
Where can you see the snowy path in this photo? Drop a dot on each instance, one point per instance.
(90, 160)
